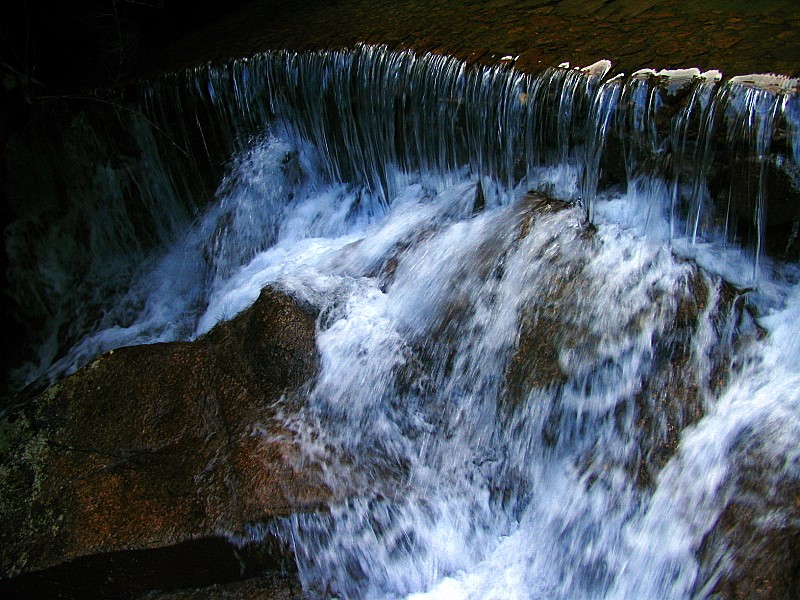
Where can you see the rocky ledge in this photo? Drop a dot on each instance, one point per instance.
(166, 448)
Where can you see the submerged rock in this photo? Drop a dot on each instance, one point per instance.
(152, 446)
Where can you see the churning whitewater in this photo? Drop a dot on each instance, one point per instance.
(536, 380)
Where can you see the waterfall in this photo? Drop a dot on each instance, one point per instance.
(554, 310)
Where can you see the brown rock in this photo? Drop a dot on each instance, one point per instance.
(261, 588)
(151, 446)
(724, 40)
(756, 541)
(207, 568)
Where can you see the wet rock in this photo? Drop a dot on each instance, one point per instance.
(207, 565)
(673, 395)
(152, 446)
(557, 325)
(724, 41)
(274, 587)
(535, 362)
(782, 219)
(775, 221)
(753, 199)
(479, 202)
(755, 544)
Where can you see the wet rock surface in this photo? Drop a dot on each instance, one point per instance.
(262, 588)
(202, 568)
(756, 542)
(673, 390)
(753, 550)
(153, 446)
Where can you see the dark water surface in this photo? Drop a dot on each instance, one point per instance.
(736, 37)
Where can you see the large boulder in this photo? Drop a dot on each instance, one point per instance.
(153, 446)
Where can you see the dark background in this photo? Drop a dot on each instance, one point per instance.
(51, 48)
(68, 45)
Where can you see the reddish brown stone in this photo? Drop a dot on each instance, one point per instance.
(758, 531)
(150, 446)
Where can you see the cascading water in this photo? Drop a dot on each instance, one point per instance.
(537, 373)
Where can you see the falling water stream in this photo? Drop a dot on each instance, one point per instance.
(553, 309)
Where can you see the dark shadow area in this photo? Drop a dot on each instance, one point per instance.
(121, 575)
(55, 48)
(80, 44)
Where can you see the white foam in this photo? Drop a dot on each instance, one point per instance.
(682, 75)
(644, 73)
(769, 82)
(598, 69)
(711, 76)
